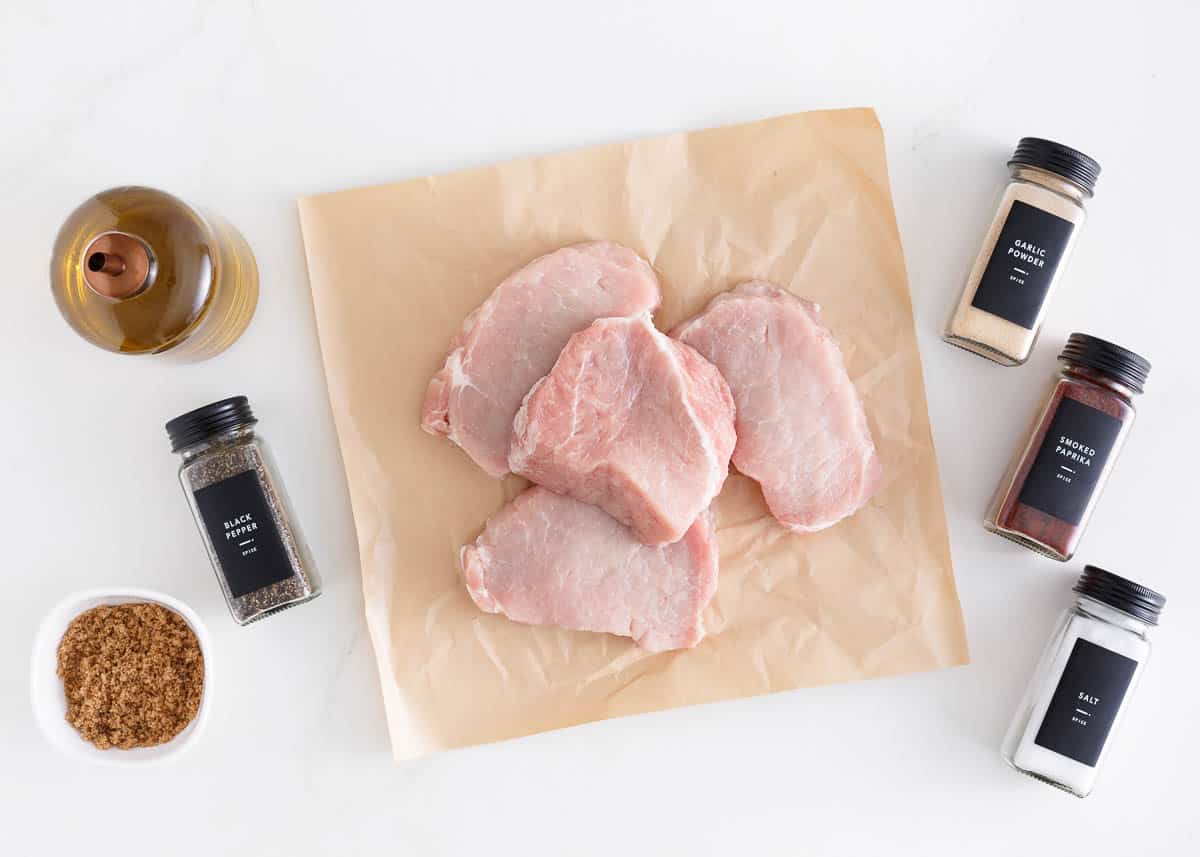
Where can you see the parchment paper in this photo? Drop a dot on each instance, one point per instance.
(802, 200)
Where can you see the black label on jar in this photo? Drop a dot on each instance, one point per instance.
(243, 533)
(1067, 469)
(1086, 702)
(1022, 266)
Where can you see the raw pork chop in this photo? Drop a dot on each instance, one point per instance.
(514, 336)
(545, 559)
(801, 429)
(630, 421)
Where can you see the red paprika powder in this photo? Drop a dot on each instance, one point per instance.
(1048, 494)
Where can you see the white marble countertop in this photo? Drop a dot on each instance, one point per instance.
(242, 107)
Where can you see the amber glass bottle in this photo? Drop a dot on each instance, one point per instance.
(137, 271)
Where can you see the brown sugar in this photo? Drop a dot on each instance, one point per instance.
(133, 675)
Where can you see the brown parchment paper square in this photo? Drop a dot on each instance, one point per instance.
(802, 200)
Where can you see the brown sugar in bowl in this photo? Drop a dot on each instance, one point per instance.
(126, 743)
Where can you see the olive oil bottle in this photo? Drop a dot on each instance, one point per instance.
(137, 271)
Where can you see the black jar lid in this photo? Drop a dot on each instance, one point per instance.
(1072, 164)
(1120, 364)
(1125, 595)
(208, 421)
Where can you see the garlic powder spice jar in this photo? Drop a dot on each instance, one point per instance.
(1025, 252)
(1084, 682)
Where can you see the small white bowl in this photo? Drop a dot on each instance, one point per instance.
(50, 702)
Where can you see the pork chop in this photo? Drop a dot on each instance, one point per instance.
(512, 339)
(630, 421)
(545, 559)
(801, 429)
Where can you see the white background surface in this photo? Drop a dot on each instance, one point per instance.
(241, 107)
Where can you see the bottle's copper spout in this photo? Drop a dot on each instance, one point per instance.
(106, 263)
(117, 265)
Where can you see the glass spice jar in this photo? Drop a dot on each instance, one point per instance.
(1048, 494)
(243, 513)
(1083, 682)
(1025, 251)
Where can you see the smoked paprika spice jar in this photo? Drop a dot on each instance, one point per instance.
(1047, 496)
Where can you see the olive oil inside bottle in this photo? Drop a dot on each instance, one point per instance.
(200, 286)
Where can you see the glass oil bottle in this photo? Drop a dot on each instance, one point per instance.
(138, 271)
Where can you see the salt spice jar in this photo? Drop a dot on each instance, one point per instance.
(1048, 494)
(1025, 251)
(245, 519)
(1084, 682)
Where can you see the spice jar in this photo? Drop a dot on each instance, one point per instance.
(138, 271)
(1049, 491)
(238, 501)
(1025, 251)
(1083, 682)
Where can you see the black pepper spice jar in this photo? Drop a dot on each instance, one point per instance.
(245, 519)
